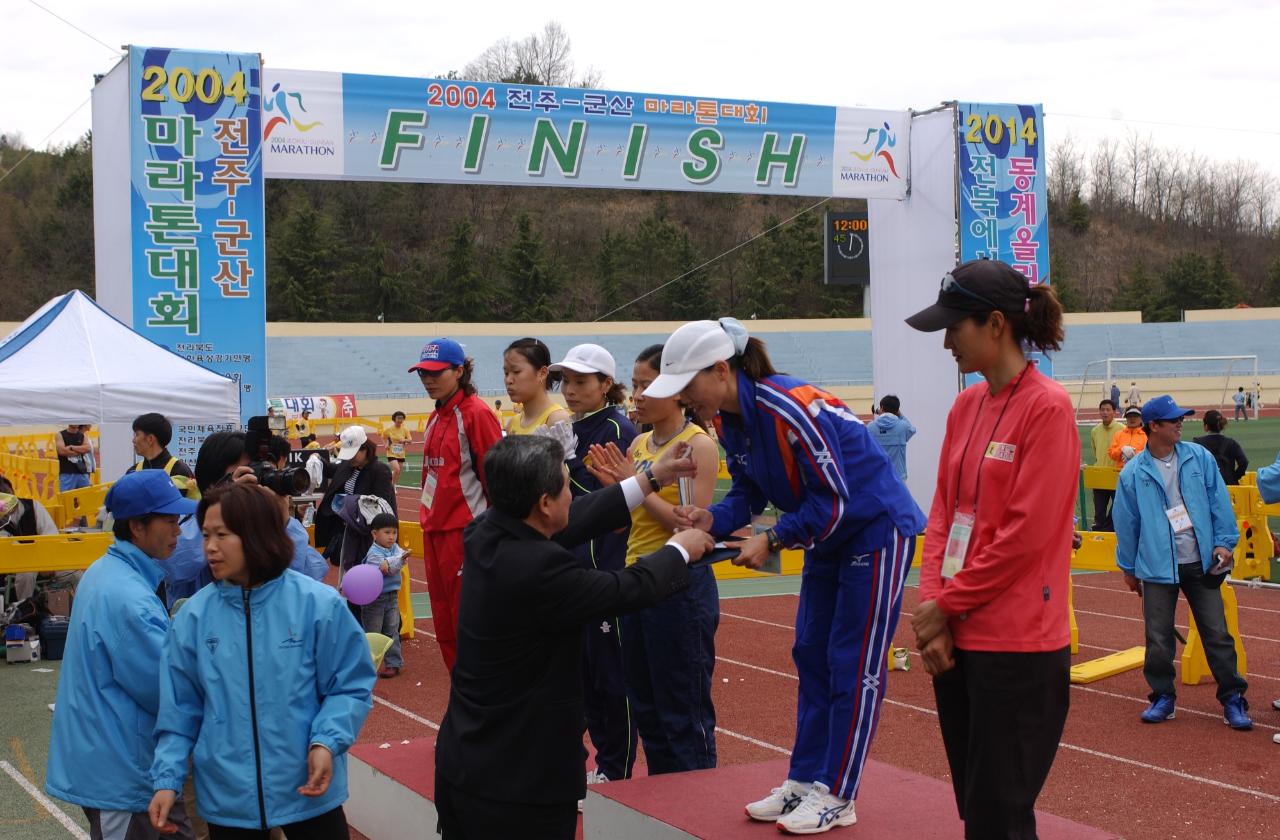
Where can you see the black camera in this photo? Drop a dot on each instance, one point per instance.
(265, 449)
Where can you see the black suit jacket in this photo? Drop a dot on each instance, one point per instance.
(513, 729)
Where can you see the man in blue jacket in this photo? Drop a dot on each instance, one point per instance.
(102, 742)
(891, 429)
(1175, 529)
(1269, 490)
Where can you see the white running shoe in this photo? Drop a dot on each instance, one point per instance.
(819, 811)
(780, 801)
(594, 777)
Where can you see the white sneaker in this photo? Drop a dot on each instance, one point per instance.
(1275, 704)
(781, 800)
(594, 777)
(819, 811)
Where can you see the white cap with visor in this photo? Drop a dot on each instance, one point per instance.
(693, 348)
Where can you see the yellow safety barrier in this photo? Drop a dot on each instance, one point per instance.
(84, 502)
(32, 478)
(1071, 613)
(55, 553)
(1194, 665)
(405, 602)
(1108, 666)
(1100, 478)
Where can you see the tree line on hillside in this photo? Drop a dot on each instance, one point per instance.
(1132, 226)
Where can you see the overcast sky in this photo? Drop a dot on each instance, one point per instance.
(1201, 76)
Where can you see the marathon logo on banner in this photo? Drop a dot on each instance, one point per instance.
(357, 127)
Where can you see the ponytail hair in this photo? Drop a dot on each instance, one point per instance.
(464, 381)
(617, 393)
(753, 360)
(1039, 326)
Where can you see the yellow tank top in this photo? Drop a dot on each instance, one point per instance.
(398, 440)
(647, 533)
(516, 425)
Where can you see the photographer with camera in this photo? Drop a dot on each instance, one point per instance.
(359, 473)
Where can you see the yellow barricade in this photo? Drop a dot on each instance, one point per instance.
(1194, 665)
(57, 553)
(1100, 478)
(84, 502)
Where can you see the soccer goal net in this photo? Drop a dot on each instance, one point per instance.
(1194, 381)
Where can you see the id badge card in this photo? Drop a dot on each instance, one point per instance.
(429, 489)
(957, 544)
(1179, 518)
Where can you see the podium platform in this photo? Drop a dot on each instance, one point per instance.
(391, 793)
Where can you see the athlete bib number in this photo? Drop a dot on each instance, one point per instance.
(397, 450)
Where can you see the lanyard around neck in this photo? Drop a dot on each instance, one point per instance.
(977, 485)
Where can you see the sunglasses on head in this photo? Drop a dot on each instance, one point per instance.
(951, 284)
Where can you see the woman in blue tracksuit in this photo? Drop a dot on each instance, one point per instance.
(593, 394)
(265, 681)
(799, 448)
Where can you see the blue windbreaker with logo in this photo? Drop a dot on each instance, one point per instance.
(250, 680)
(103, 738)
(800, 448)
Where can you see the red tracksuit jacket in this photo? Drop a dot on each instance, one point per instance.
(460, 433)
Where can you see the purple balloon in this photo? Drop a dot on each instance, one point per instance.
(362, 584)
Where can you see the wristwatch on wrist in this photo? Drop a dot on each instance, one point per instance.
(653, 481)
(775, 544)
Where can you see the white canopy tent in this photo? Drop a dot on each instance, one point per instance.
(71, 362)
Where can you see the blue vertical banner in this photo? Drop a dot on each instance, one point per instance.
(198, 251)
(1004, 207)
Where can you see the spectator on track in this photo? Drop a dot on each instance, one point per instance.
(1269, 490)
(103, 736)
(360, 473)
(1101, 437)
(1135, 396)
(993, 624)
(1171, 504)
(1115, 395)
(267, 750)
(1130, 440)
(891, 429)
(1232, 462)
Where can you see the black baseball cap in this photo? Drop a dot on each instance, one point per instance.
(970, 288)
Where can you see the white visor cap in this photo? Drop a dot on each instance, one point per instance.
(588, 358)
(694, 347)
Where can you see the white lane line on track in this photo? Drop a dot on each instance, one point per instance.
(790, 627)
(402, 710)
(45, 802)
(1171, 772)
(720, 730)
(415, 580)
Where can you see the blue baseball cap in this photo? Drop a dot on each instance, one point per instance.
(147, 491)
(1164, 408)
(440, 354)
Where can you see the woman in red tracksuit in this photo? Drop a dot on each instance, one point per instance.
(992, 624)
(460, 433)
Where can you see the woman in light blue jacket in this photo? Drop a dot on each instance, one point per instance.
(265, 680)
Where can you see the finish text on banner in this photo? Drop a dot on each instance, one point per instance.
(1004, 210)
(349, 126)
(197, 215)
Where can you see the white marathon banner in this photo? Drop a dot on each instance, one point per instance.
(349, 126)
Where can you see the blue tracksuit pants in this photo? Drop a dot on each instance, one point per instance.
(848, 610)
(668, 654)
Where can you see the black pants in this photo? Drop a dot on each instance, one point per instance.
(467, 817)
(1002, 716)
(331, 825)
(1102, 500)
(1159, 600)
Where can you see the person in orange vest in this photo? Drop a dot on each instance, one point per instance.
(1130, 440)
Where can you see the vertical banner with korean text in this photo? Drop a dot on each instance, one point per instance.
(198, 256)
(1004, 209)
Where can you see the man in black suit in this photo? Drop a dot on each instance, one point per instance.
(509, 758)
